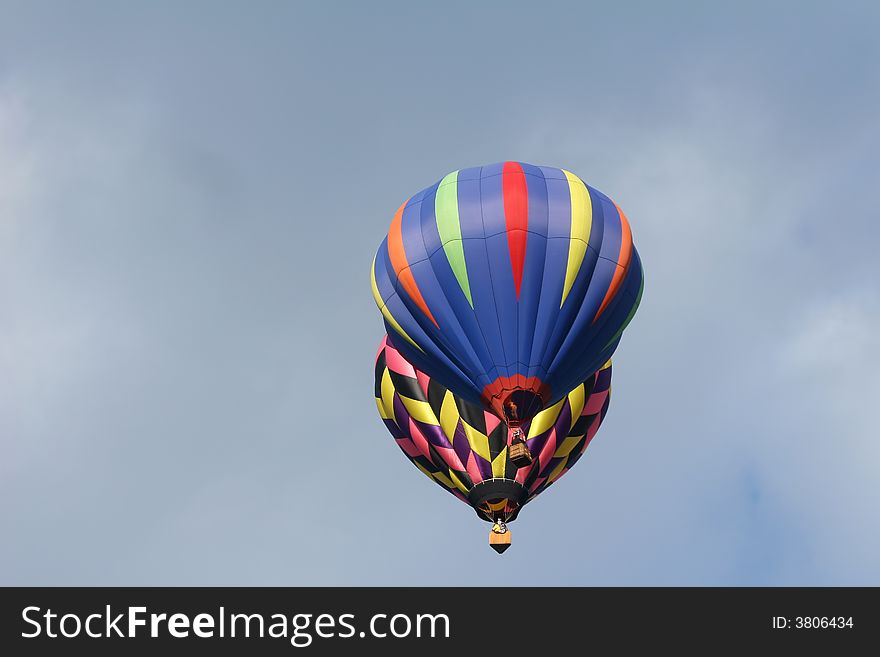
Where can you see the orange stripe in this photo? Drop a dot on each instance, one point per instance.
(397, 254)
(623, 258)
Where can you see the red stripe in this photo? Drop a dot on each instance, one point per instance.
(516, 216)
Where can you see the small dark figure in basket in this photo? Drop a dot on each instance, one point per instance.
(519, 451)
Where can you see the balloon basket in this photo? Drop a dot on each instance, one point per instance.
(499, 542)
(519, 454)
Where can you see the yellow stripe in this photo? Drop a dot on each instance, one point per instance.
(387, 390)
(384, 309)
(581, 223)
(385, 415)
(443, 479)
(448, 416)
(419, 410)
(422, 468)
(567, 445)
(498, 506)
(576, 400)
(557, 471)
(545, 419)
(479, 442)
(457, 482)
(499, 463)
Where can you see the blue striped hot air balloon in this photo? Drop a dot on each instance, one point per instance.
(510, 284)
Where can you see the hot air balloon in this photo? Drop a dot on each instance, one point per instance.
(509, 284)
(463, 446)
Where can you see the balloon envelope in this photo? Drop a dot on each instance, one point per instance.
(464, 448)
(510, 284)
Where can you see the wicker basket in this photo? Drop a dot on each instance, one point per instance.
(519, 454)
(499, 542)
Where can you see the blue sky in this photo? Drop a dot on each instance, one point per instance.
(190, 198)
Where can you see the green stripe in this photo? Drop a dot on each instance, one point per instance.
(449, 227)
(631, 312)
